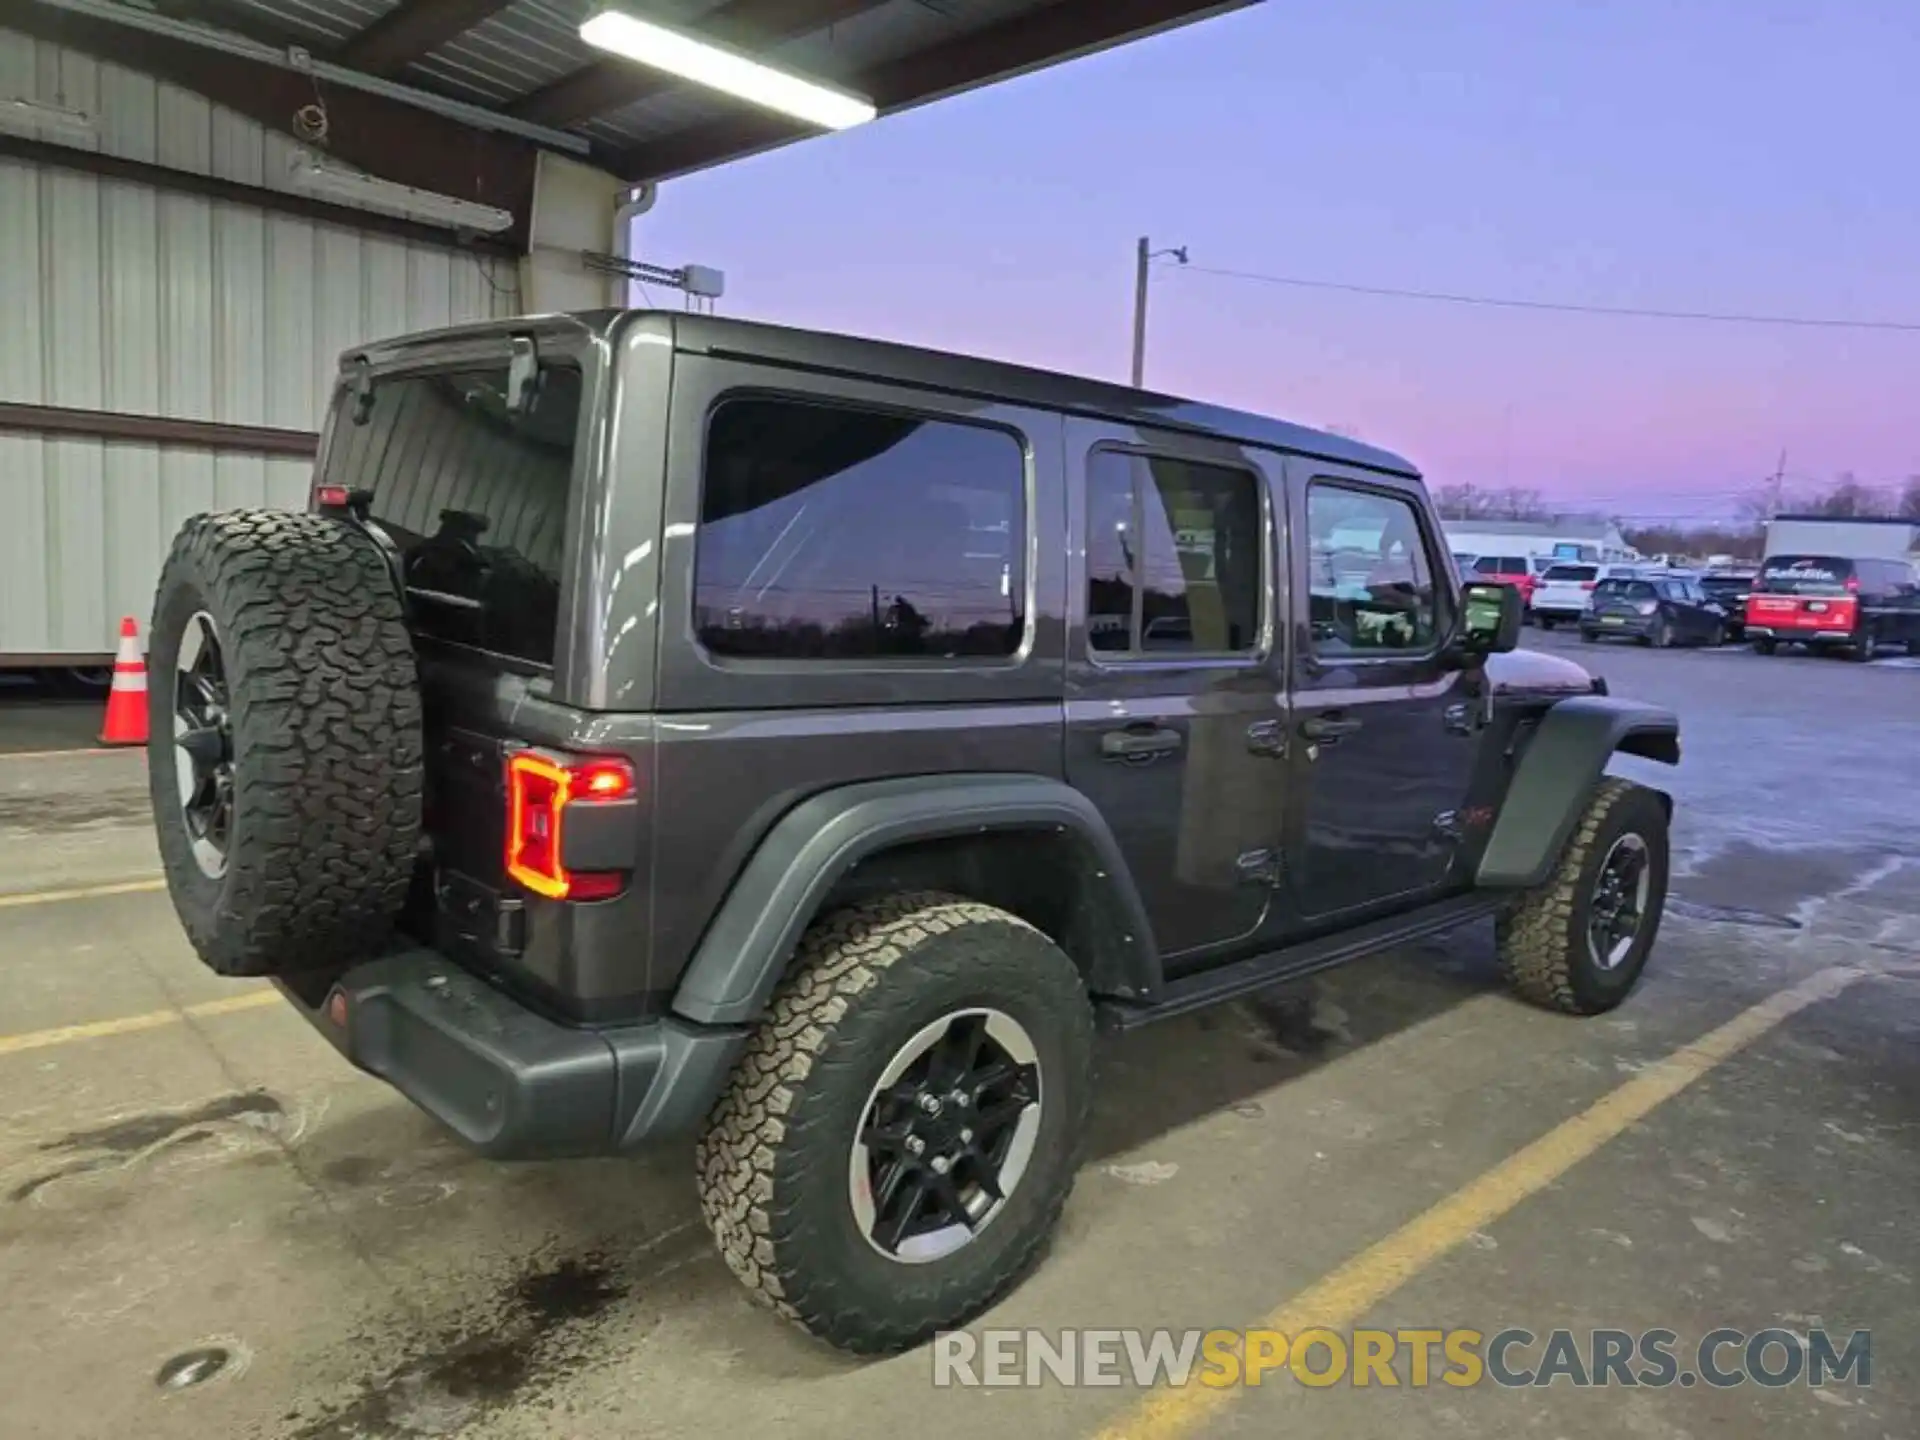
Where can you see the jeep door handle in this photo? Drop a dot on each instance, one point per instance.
(1322, 728)
(1139, 743)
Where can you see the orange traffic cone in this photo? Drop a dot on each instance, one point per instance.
(127, 701)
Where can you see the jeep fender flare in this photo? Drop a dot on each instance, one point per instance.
(746, 948)
(1558, 770)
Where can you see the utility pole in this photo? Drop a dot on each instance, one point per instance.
(1144, 256)
(1778, 485)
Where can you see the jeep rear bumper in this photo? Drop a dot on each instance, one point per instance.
(512, 1083)
(1804, 634)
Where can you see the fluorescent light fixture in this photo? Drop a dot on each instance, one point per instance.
(19, 114)
(316, 177)
(726, 70)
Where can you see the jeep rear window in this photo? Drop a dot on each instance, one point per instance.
(475, 497)
(834, 533)
(1579, 574)
(1804, 575)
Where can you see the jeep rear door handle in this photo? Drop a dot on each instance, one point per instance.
(1139, 743)
(1327, 727)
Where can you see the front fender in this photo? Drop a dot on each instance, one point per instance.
(1558, 770)
(746, 949)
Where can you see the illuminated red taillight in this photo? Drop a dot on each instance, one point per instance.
(1853, 584)
(541, 789)
(1588, 584)
(330, 497)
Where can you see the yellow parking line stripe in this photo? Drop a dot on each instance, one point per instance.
(132, 1024)
(84, 892)
(1343, 1297)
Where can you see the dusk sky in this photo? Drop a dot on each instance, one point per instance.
(1723, 155)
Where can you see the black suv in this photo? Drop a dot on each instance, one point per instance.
(664, 723)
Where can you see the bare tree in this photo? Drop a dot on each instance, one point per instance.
(1471, 502)
(1910, 498)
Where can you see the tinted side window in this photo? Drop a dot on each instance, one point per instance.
(1173, 557)
(830, 533)
(1370, 580)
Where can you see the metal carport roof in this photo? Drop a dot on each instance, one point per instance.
(511, 77)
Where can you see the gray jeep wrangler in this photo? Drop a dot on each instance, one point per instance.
(663, 723)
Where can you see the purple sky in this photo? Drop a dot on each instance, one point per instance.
(1737, 155)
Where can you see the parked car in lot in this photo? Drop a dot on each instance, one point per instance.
(1656, 610)
(1566, 589)
(1519, 571)
(667, 724)
(1834, 603)
(1729, 588)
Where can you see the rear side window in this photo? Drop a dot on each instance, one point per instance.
(1623, 590)
(1577, 574)
(1500, 565)
(1804, 575)
(834, 533)
(475, 496)
(1173, 557)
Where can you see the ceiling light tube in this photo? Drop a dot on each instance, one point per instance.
(316, 177)
(729, 71)
(20, 114)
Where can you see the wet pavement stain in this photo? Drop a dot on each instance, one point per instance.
(143, 1132)
(89, 1164)
(531, 1342)
(1290, 1029)
(354, 1170)
(42, 815)
(1728, 915)
(108, 1147)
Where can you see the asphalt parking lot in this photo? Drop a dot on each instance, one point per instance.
(184, 1166)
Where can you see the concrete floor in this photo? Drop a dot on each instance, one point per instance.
(214, 1176)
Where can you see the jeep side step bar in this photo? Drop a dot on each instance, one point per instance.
(1244, 977)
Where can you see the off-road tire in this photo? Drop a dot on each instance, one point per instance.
(324, 703)
(773, 1161)
(1543, 939)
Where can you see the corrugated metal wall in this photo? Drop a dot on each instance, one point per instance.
(116, 296)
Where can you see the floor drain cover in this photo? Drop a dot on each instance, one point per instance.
(1729, 915)
(193, 1367)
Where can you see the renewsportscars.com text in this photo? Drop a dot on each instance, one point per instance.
(1413, 1358)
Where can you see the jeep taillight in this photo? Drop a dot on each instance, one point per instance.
(542, 791)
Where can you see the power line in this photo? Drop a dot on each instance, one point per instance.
(1805, 322)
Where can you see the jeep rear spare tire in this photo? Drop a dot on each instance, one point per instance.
(897, 1141)
(285, 758)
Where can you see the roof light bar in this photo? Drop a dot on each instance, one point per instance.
(317, 177)
(726, 70)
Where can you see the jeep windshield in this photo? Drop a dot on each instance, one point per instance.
(474, 495)
(1803, 575)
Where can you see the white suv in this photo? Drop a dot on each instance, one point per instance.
(1565, 589)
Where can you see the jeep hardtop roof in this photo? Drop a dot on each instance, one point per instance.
(825, 352)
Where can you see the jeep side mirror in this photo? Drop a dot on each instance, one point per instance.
(1490, 617)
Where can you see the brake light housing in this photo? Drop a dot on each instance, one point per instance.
(559, 844)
